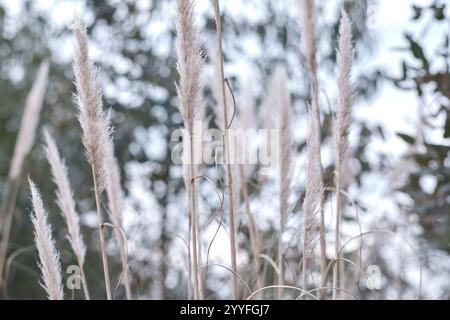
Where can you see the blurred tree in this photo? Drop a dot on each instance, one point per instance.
(432, 159)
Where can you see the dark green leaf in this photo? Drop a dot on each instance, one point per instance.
(407, 138)
(417, 13)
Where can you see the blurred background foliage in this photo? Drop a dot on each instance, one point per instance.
(134, 46)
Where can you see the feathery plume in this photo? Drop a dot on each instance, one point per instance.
(189, 88)
(66, 203)
(314, 191)
(309, 44)
(346, 91)
(285, 162)
(189, 63)
(285, 145)
(65, 197)
(94, 123)
(24, 143)
(95, 126)
(48, 256)
(342, 126)
(30, 120)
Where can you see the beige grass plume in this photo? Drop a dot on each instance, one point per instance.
(48, 256)
(309, 45)
(66, 204)
(189, 88)
(189, 63)
(93, 121)
(23, 145)
(346, 90)
(30, 120)
(285, 160)
(313, 194)
(342, 125)
(95, 126)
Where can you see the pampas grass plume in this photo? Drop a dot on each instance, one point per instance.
(30, 120)
(48, 256)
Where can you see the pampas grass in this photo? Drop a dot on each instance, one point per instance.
(24, 143)
(309, 44)
(285, 161)
(276, 115)
(66, 204)
(48, 256)
(313, 194)
(189, 65)
(342, 125)
(95, 126)
(229, 173)
(30, 120)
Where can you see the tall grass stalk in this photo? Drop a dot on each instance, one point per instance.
(189, 65)
(23, 145)
(342, 127)
(230, 193)
(308, 19)
(96, 129)
(247, 123)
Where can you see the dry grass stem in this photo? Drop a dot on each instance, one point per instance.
(115, 205)
(230, 193)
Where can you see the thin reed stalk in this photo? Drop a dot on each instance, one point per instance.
(189, 65)
(115, 206)
(342, 127)
(48, 256)
(233, 249)
(96, 130)
(23, 145)
(246, 120)
(308, 18)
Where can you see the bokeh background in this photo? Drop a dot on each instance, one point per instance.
(400, 140)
